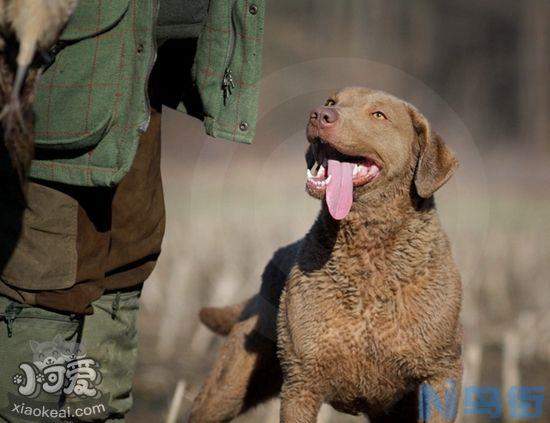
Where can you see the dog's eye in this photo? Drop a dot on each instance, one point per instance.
(379, 115)
(330, 102)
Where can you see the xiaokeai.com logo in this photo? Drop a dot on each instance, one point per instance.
(518, 403)
(60, 369)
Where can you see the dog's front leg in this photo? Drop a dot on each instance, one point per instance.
(439, 398)
(300, 403)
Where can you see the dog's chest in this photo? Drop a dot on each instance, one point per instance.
(346, 319)
(358, 305)
(352, 339)
(363, 288)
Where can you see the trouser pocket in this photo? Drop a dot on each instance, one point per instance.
(111, 336)
(75, 368)
(35, 345)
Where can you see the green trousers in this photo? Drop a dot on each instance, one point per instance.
(61, 367)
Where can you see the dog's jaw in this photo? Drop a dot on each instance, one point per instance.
(333, 176)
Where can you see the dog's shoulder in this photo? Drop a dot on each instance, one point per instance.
(277, 271)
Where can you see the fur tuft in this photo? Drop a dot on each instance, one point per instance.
(221, 319)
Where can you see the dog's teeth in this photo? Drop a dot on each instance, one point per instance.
(309, 174)
(321, 171)
(355, 170)
(362, 170)
(327, 181)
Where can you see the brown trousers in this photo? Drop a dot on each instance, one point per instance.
(76, 243)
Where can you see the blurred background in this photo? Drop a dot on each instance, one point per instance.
(479, 70)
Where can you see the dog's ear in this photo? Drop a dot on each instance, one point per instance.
(436, 162)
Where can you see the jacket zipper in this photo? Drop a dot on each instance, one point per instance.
(227, 82)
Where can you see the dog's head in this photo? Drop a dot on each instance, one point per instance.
(363, 141)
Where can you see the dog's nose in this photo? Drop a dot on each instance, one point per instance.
(324, 117)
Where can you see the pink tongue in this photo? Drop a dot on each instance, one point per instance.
(340, 189)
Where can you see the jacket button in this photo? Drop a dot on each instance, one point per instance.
(243, 126)
(253, 9)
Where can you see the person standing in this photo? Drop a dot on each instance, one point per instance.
(77, 249)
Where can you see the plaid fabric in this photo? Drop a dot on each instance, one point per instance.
(91, 104)
(231, 39)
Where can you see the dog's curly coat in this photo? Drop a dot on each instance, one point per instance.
(362, 311)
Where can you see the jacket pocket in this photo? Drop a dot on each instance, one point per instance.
(45, 256)
(76, 95)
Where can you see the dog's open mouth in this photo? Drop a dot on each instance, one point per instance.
(334, 175)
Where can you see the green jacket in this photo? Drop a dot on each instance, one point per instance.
(92, 103)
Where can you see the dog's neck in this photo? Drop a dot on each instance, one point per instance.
(372, 229)
(376, 219)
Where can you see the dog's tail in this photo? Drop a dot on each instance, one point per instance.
(222, 319)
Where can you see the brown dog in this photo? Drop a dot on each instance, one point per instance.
(367, 304)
